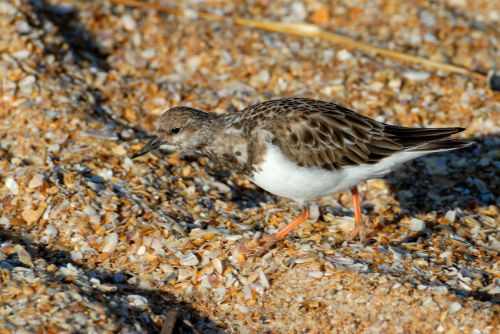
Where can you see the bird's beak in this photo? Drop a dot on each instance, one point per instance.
(152, 145)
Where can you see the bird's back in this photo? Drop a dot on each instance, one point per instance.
(330, 136)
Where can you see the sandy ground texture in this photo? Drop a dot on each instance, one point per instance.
(93, 242)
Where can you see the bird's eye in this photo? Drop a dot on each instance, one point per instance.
(175, 130)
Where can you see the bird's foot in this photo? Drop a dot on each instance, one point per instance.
(266, 243)
(359, 231)
(257, 247)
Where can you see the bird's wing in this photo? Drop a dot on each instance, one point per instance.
(327, 135)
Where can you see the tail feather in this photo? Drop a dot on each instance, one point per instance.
(441, 145)
(414, 138)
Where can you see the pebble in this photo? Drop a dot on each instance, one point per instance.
(427, 19)
(414, 37)
(193, 63)
(189, 259)
(218, 266)
(128, 22)
(23, 255)
(496, 289)
(316, 274)
(23, 27)
(76, 255)
(93, 215)
(220, 292)
(344, 223)
(484, 162)
(5, 222)
(148, 53)
(454, 307)
(481, 186)
(235, 87)
(119, 150)
(26, 84)
(32, 216)
(395, 83)
(106, 174)
(428, 302)
(184, 274)
(12, 185)
(205, 283)
(141, 250)
(110, 243)
(344, 55)
(221, 187)
(50, 231)
(128, 163)
(22, 54)
(261, 78)
(137, 301)
(107, 288)
(321, 15)
(263, 280)
(62, 9)
(36, 181)
(450, 215)
(431, 38)
(97, 179)
(243, 309)
(377, 86)
(436, 166)
(69, 270)
(7, 9)
(416, 76)
(342, 260)
(417, 225)
(439, 290)
(119, 278)
(233, 237)
(298, 12)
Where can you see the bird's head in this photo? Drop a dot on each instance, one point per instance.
(180, 128)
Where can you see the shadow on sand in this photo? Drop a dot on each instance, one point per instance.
(187, 320)
(466, 178)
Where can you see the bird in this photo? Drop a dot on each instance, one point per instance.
(299, 148)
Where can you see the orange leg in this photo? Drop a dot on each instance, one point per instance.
(287, 229)
(359, 226)
(296, 222)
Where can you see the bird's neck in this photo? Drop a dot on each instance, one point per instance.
(226, 145)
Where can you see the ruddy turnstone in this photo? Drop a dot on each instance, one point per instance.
(299, 148)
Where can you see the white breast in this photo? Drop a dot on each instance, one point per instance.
(282, 177)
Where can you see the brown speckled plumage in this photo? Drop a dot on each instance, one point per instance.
(315, 133)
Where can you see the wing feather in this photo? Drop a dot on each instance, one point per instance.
(327, 135)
